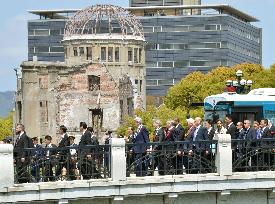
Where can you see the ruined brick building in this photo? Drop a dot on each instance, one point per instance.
(100, 82)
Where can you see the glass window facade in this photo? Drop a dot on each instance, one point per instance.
(175, 45)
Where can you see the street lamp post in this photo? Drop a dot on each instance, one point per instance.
(240, 85)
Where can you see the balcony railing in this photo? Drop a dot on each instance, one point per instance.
(68, 163)
(253, 155)
(119, 160)
(171, 158)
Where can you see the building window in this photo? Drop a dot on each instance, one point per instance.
(151, 64)
(94, 82)
(151, 46)
(42, 49)
(31, 50)
(81, 51)
(121, 110)
(103, 54)
(136, 55)
(165, 64)
(44, 111)
(180, 64)
(130, 105)
(130, 54)
(19, 108)
(197, 63)
(57, 49)
(117, 54)
(165, 46)
(89, 52)
(65, 53)
(139, 55)
(42, 32)
(55, 32)
(30, 32)
(147, 29)
(110, 54)
(97, 118)
(140, 86)
(75, 51)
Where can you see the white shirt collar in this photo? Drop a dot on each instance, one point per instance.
(84, 131)
(230, 124)
(62, 136)
(21, 133)
(158, 128)
(170, 128)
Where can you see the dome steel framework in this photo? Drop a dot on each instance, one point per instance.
(102, 19)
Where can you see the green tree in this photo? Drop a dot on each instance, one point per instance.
(196, 86)
(6, 126)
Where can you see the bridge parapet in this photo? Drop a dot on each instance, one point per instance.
(119, 187)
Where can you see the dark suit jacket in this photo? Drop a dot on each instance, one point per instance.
(179, 133)
(170, 135)
(141, 137)
(64, 141)
(250, 134)
(266, 133)
(232, 131)
(51, 151)
(85, 139)
(211, 133)
(202, 134)
(94, 140)
(159, 137)
(20, 145)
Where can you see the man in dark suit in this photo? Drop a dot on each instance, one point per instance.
(37, 159)
(141, 138)
(265, 131)
(50, 157)
(159, 136)
(199, 148)
(179, 130)
(267, 157)
(179, 136)
(210, 129)
(21, 155)
(63, 153)
(231, 128)
(85, 152)
(249, 146)
(250, 132)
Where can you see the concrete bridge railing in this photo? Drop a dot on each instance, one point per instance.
(221, 187)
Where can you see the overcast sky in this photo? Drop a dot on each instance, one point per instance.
(14, 18)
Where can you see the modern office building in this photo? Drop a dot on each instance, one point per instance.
(180, 39)
(141, 3)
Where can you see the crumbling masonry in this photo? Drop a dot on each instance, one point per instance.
(100, 82)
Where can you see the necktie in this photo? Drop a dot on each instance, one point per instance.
(17, 140)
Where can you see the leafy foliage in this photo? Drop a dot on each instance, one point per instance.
(6, 126)
(196, 86)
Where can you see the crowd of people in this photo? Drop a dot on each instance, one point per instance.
(173, 149)
(51, 162)
(188, 146)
